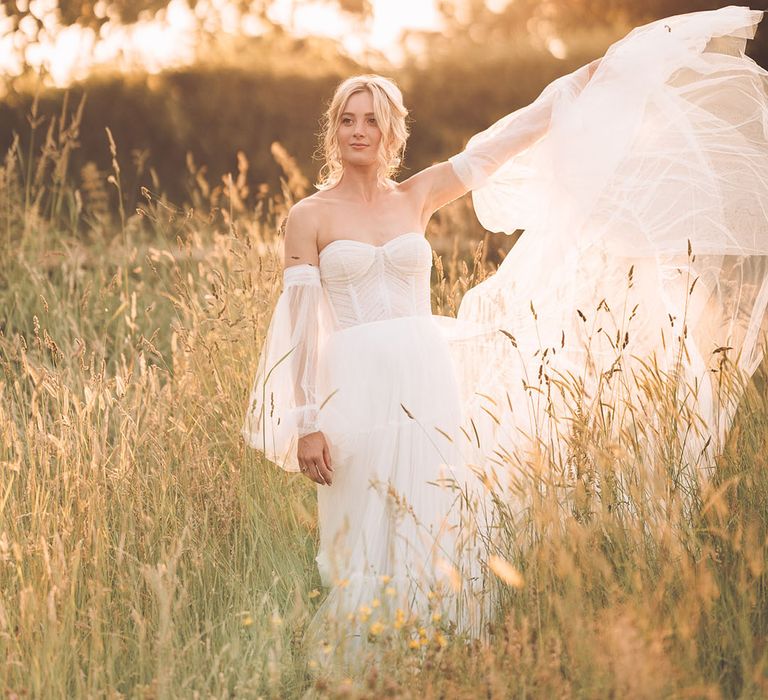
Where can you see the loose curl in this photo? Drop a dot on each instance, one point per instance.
(390, 115)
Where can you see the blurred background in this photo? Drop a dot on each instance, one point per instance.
(194, 89)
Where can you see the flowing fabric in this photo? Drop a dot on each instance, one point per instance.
(643, 192)
(644, 207)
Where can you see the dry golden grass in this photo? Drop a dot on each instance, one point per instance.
(146, 553)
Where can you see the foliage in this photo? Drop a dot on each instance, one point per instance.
(144, 552)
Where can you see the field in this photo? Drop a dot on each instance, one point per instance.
(146, 553)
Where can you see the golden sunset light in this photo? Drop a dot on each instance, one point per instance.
(169, 38)
(383, 349)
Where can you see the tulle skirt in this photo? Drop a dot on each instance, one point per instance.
(400, 534)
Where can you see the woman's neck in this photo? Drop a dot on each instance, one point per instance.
(360, 183)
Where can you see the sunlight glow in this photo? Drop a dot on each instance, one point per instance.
(382, 32)
(169, 38)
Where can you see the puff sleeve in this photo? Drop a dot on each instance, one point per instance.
(488, 150)
(284, 404)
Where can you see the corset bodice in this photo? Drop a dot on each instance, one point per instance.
(365, 282)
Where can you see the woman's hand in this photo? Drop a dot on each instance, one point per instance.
(314, 458)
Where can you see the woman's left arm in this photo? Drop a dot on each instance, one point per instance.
(488, 150)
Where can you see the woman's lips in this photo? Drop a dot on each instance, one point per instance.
(359, 145)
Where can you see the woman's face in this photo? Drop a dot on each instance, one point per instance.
(358, 134)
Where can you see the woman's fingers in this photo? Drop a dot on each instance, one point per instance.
(318, 473)
(326, 473)
(327, 456)
(318, 468)
(308, 469)
(313, 475)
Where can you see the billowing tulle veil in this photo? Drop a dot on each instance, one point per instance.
(644, 255)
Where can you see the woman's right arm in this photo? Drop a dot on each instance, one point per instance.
(282, 418)
(302, 282)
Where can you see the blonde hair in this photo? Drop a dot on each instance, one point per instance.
(390, 115)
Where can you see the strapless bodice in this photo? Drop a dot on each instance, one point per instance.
(367, 282)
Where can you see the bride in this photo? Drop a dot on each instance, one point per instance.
(641, 183)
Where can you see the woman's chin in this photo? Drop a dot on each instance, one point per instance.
(359, 159)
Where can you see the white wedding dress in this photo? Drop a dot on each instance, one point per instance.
(645, 214)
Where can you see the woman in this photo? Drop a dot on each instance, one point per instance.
(641, 182)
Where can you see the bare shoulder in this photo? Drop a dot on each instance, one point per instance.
(301, 233)
(303, 211)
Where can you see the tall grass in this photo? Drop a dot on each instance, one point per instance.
(145, 552)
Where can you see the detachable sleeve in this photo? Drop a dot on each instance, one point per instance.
(488, 150)
(284, 404)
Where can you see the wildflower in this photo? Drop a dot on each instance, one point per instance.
(440, 640)
(314, 593)
(399, 618)
(342, 582)
(365, 612)
(390, 591)
(436, 616)
(413, 644)
(375, 603)
(377, 627)
(247, 621)
(385, 579)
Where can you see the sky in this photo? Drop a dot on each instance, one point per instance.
(168, 39)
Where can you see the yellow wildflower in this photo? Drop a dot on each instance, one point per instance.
(375, 603)
(377, 627)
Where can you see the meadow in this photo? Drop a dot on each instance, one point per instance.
(146, 553)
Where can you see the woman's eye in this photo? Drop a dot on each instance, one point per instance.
(372, 120)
